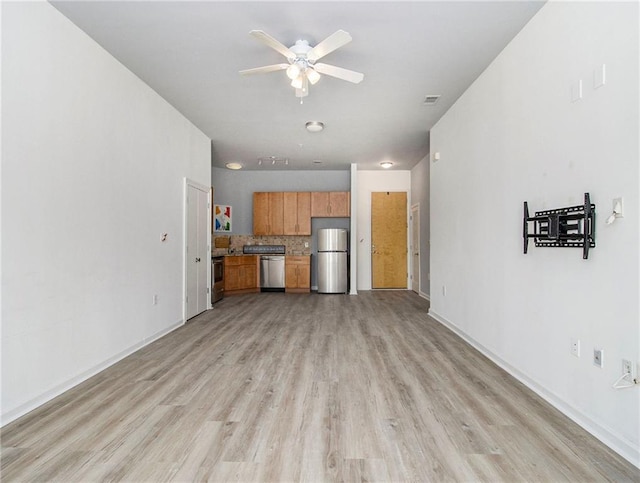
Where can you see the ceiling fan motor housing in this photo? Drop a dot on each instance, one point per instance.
(301, 48)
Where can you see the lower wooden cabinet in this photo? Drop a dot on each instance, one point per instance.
(297, 274)
(241, 274)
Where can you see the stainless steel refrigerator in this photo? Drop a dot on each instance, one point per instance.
(332, 260)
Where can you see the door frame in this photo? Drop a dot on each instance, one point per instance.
(414, 216)
(407, 241)
(185, 218)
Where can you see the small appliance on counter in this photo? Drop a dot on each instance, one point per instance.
(271, 265)
(332, 260)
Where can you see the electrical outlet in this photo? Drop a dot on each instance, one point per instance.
(575, 347)
(598, 357)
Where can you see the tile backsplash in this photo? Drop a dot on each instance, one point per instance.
(294, 244)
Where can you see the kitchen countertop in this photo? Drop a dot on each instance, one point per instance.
(220, 252)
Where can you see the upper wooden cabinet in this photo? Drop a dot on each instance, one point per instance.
(297, 213)
(268, 213)
(290, 213)
(330, 204)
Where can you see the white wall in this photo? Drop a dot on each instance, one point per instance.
(513, 136)
(369, 182)
(93, 165)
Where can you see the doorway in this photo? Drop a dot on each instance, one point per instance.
(389, 239)
(197, 257)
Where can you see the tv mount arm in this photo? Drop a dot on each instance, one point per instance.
(573, 226)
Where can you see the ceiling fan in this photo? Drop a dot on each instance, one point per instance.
(302, 68)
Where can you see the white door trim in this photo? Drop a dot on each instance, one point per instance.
(207, 189)
(415, 215)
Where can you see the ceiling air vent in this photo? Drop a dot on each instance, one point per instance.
(430, 100)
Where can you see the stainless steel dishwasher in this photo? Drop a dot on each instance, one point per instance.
(272, 271)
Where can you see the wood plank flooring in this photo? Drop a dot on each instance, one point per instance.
(305, 387)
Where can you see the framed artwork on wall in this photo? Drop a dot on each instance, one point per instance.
(222, 218)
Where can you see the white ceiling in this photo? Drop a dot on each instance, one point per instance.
(191, 52)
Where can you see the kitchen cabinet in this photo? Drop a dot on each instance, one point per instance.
(241, 274)
(297, 274)
(330, 204)
(268, 212)
(297, 213)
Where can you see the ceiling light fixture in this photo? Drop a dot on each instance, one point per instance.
(273, 161)
(233, 166)
(293, 70)
(314, 126)
(312, 75)
(386, 164)
(303, 67)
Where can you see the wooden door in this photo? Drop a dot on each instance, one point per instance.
(297, 213)
(290, 215)
(304, 213)
(339, 204)
(260, 213)
(276, 213)
(320, 204)
(389, 240)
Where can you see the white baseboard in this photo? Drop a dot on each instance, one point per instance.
(23, 409)
(424, 295)
(624, 448)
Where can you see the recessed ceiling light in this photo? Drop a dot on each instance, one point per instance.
(386, 164)
(233, 166)
(314, 126)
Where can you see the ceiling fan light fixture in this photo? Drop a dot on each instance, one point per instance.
(233, 165)
(297, 82)
(314, 126)
(293, 71)
(386, 164)
(312, 75)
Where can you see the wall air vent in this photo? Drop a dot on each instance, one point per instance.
(431, 99)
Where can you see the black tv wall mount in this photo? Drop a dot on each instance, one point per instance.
(573, 226)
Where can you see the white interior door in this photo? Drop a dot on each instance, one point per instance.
(197, 259)
(415, 248)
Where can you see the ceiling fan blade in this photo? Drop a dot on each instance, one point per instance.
(265, 69)
(328, 45)
(339, 72)
(273, 43)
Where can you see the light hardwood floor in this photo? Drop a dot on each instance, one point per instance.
(305, 387)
